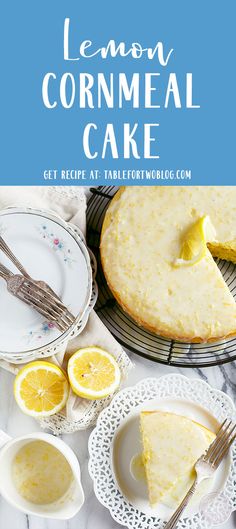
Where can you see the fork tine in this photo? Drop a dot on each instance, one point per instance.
(44, 313)
(44, 292)
(50, 312)
(220, 442)
(37, 298)
(54, 302)
(43, 297)
(224, 448)
(48, 309)
(216, 440)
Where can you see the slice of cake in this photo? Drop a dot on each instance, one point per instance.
(171, 446)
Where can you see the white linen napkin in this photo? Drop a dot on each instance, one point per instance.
(70, 204)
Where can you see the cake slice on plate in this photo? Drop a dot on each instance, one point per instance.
(171, 446)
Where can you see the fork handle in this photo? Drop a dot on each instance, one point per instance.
(5, 249)
(176, 516)
(4, 276)
(4, 272)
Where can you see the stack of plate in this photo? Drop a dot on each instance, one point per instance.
(53, 251)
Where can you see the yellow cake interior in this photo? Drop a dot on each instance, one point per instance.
(171, 446)
(141, 238)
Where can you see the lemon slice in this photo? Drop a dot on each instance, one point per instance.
(41, 389)
(93, 373)
(194, 246)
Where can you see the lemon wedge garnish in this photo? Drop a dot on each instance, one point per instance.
(194, 246)
(41, 389)
(93, 373)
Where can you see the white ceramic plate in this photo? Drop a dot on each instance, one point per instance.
(116, 440)
(50, 251)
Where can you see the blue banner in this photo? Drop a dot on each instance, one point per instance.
(118, 93)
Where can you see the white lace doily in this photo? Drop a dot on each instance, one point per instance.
(218, 404)
(69, 191)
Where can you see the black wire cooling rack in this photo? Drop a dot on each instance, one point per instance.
(126, 331)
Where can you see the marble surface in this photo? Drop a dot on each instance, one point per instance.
(92, 514)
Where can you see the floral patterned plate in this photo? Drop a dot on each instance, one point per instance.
(50, 250)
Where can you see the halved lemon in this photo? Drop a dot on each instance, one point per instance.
(194, 246)
(93, 373)
(41, 389)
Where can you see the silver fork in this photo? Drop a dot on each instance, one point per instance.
(41, 300)
(207, 464)
(42, 284)
(5, 249)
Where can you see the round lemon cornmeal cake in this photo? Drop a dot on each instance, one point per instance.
(141, 240)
